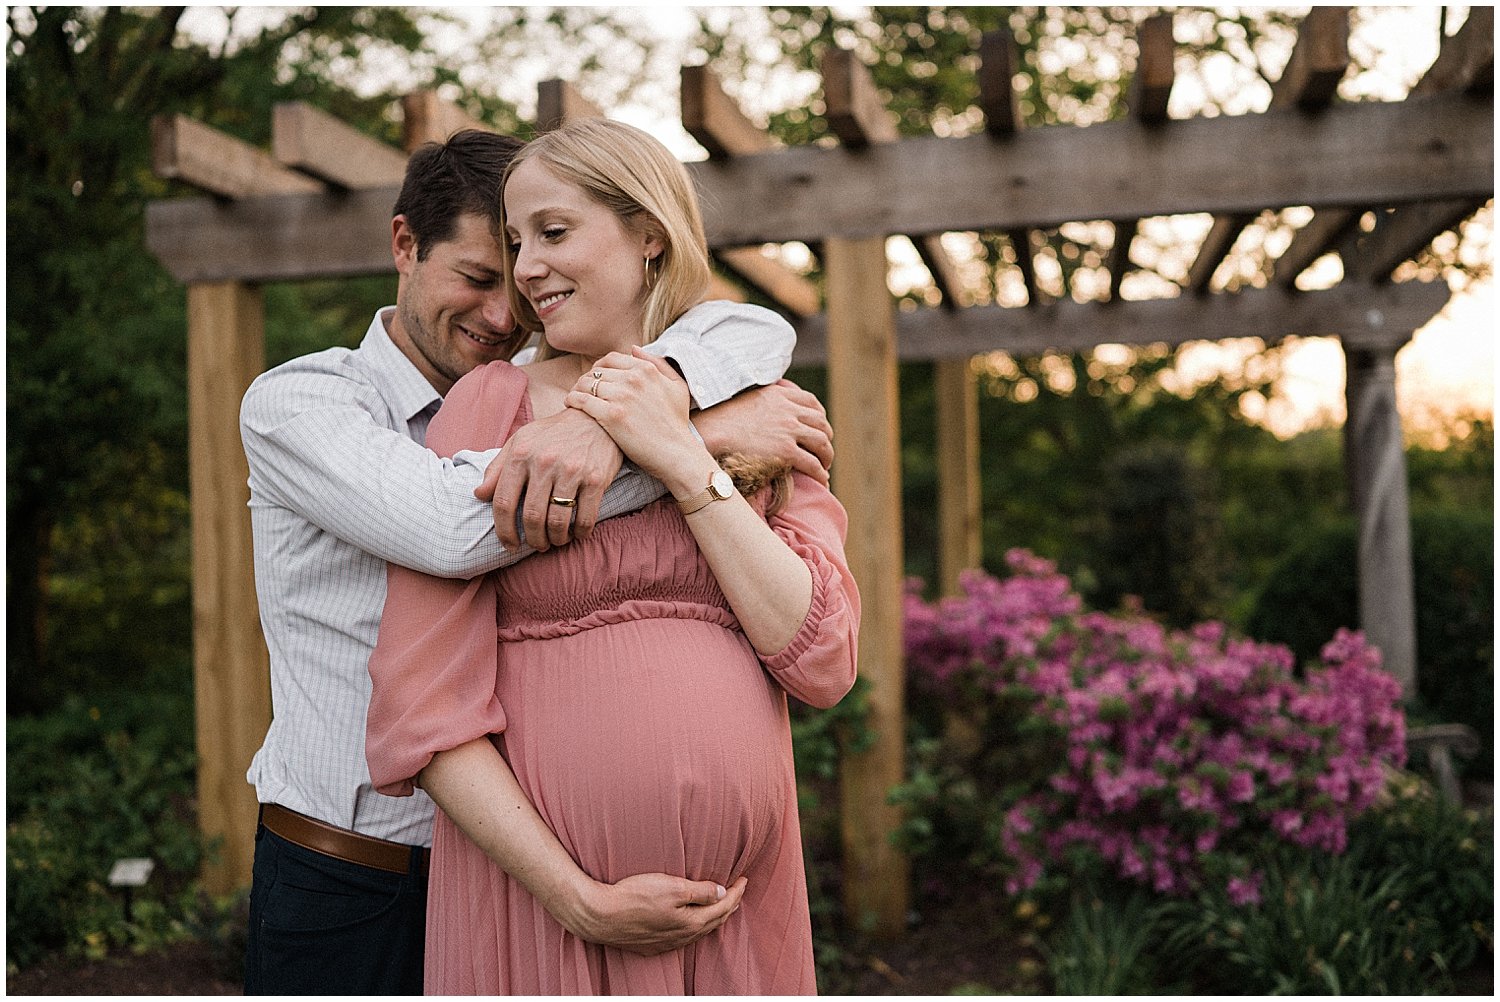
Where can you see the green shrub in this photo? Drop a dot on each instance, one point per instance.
(1315, 589)
(80, 794)
(1161, 536)
(1447, 855)
(1106, 946)
(1325, 927)
(1407, 905)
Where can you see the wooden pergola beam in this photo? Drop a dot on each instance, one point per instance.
(1465, 62)
(997, 92)
(1398, 236)
(428, 118)
(1150, 91)
(186, 150)
(1424, 149)
(1155, 71)
(311, 141)
(1363, 316)
(865, 402)
(558, 101)
(1002, 119)
(716, 121)
(790, 291)
(1311, 242)
(1309, 81)
(858, 117)
(231, 667)
(1414, 150)
(1466, 59)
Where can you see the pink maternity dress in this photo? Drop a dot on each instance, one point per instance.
(612, 675)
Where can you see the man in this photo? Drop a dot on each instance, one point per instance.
(340, 483)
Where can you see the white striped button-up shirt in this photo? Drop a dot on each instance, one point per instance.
(340, 483)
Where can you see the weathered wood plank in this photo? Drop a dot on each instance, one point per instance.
(1222, 234)
(1002, 118)
(311, 141)
(1150, 91)
(1424, 149)
(789, 290)
(960, 526)
(1318, 61)
(857, 116)
(185, 150)
(1413, 150)
(1377, 472)
(997, 93)
(1465, 61)
(429, 118)
(721, 288)
(1311, 242)
(864, 405)
(231, 669)
(273, 239)
(855, 112)
(713, 118)
(558, 101)
(1398, 236)
(1309, 81)
(1363, 316)
(1119, 253)
(1155, 71)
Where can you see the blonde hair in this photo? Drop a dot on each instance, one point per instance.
(634, 176)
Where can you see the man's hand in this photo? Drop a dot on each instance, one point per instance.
(566, 455)
(782, 421)
(652, 913)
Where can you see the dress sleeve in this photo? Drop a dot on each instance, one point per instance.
(818, 665)
(433, 669)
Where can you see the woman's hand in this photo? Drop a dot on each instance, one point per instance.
(652, 913)
(643, 404)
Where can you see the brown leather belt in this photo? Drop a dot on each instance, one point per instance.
(340, 843)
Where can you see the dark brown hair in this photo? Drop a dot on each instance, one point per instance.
(447, 180)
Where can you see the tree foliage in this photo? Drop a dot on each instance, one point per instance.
(95, 381)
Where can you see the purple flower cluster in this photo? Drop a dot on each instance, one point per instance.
(1178, 751)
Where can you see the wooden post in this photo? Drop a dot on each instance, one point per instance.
(960, 540)
(867, 478)
(1376, 460)
(231, 670)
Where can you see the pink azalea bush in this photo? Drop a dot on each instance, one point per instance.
(1178, 753)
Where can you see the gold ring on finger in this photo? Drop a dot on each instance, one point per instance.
(565, 502)
(594, 389)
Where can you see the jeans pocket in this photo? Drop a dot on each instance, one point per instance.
(326, 927)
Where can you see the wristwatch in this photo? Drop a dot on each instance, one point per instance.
(720, 488)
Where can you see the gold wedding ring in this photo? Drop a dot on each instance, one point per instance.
(597, 376)
(564, 502)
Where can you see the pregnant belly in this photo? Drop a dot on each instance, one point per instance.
(654, 745)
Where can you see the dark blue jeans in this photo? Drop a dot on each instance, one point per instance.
(321, 926)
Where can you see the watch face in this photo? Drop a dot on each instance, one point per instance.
(721, 484)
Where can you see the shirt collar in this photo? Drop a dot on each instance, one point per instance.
(411, 393)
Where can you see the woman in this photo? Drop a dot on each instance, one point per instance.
(636, 689)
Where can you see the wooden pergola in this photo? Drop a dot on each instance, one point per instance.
(1383, 179)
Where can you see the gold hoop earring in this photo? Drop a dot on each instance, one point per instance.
(649, 280)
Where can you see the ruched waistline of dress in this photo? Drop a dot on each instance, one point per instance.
(520, 627)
